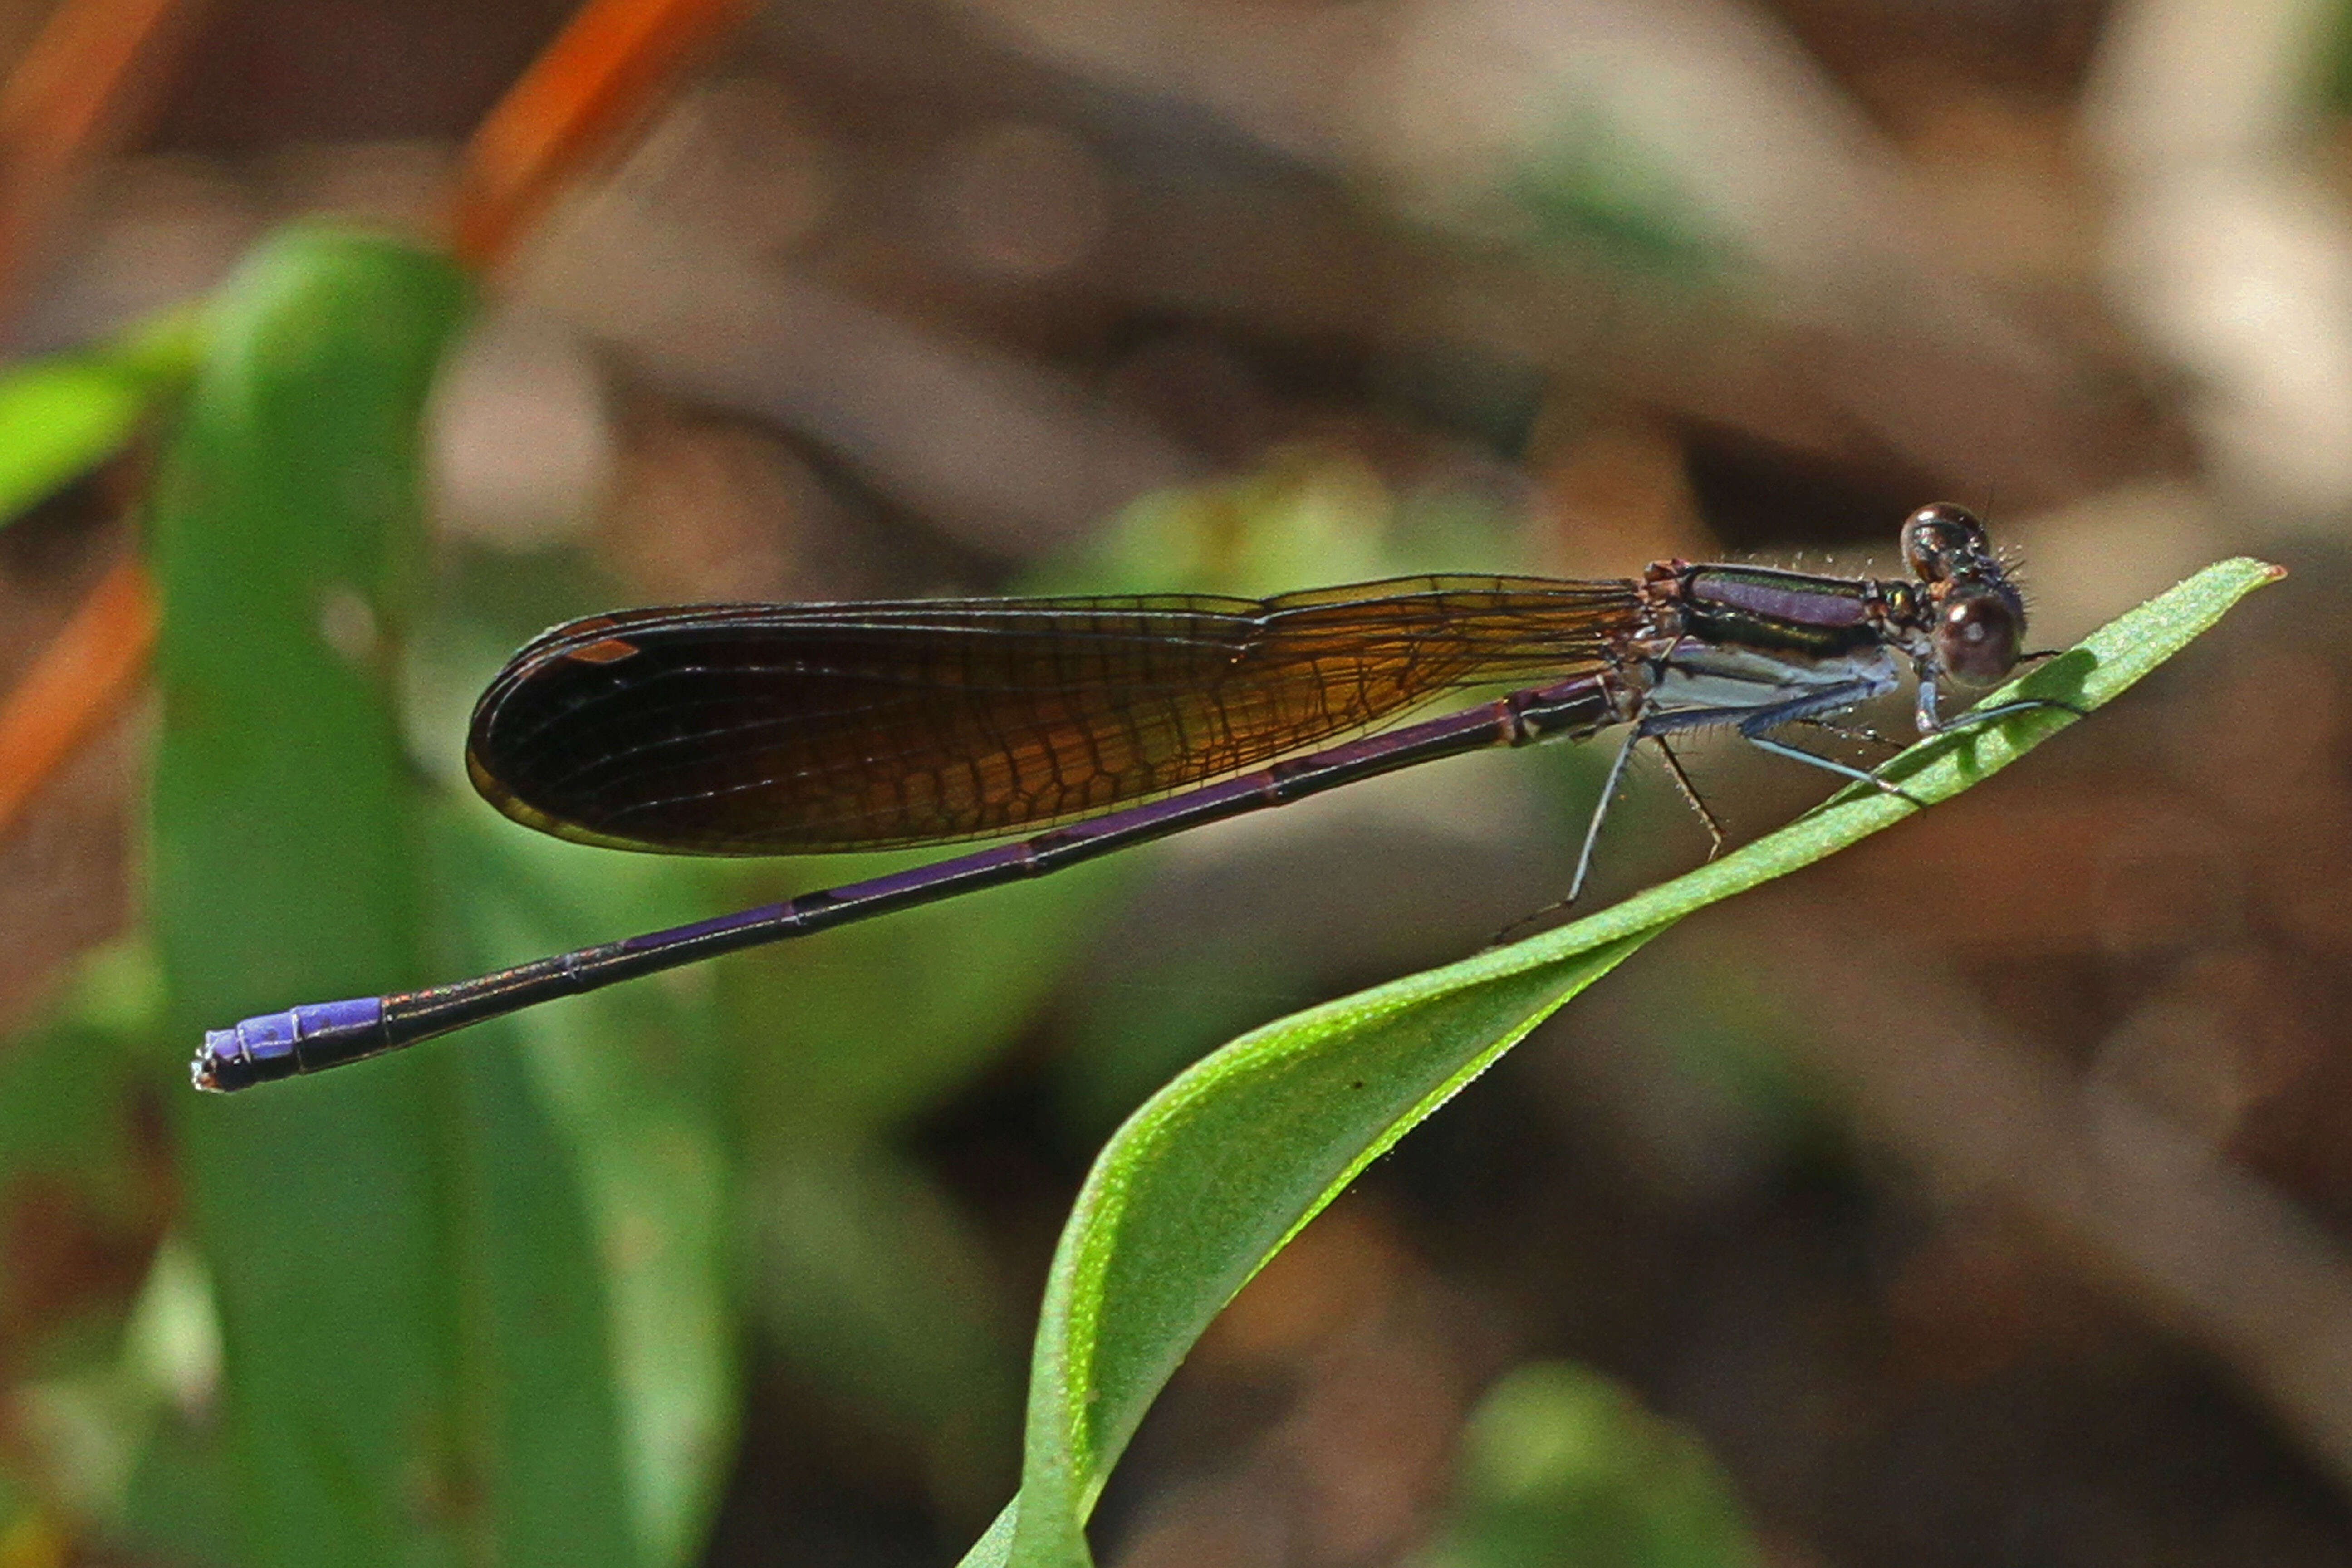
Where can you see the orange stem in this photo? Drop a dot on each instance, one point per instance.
(87, 672)
(601, 75)
(604, 72)
(66, 98)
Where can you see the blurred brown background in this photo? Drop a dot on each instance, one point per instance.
(1979, 1196)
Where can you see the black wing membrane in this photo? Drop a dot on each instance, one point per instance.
(783, 729)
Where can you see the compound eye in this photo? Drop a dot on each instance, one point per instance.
(1977, 636)
(1939, 537)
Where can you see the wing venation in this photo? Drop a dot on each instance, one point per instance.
(783, 729)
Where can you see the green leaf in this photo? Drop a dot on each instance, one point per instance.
(1208, 1180)
(535, 1380)
(62, 415)
(873, 1286)
(69, 1086)
(285, 866)
(1586, 179)
(416, 1351)
(1560, 1468)
(867, 1028)
(625, 1076)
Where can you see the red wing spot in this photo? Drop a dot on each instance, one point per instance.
(610, 650)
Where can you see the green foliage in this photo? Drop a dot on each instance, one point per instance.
(2328, 61)
(416, 1351)
(1588, 182)
(625, 1076)
(61, 416)
(1561, 1468)
(1222, 1167)
(62, 1082)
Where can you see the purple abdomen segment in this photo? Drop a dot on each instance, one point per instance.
(280, 1044)
(1789, 596)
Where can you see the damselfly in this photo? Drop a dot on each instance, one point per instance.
(1094, 723)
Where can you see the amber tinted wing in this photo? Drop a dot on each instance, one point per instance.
(780, 728)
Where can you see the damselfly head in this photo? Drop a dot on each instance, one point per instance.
(1942, 542)
(1979, 617)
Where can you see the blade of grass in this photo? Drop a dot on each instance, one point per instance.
(1212, 1177)
(646, 1147)
(416, 1350)
(284, 857)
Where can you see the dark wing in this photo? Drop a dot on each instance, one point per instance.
(781, 729)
